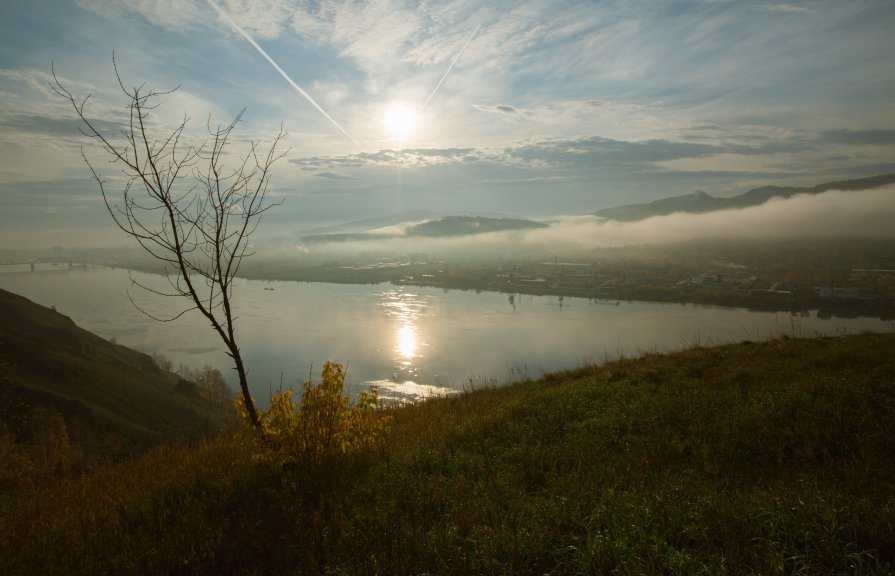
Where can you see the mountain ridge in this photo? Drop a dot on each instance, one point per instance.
(699, 202)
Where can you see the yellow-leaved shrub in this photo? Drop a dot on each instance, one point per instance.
(324, 423)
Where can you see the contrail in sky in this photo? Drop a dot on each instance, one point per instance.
(286, 77)
(451, 67)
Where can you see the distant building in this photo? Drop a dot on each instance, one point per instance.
(849, 293)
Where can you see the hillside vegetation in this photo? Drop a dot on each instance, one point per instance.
(769, 458)
(105, 399)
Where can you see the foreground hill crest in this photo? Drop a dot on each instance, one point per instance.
(103, 390)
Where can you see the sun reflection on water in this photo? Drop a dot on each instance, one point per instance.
(406, 309)
(407, 344)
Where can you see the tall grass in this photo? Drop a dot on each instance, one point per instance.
(765, 458)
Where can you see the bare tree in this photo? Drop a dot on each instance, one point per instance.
(184, 207)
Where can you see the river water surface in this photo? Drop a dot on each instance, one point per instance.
(410, 341)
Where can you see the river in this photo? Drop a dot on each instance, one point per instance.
(409, 341)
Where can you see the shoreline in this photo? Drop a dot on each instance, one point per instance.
(796, 300)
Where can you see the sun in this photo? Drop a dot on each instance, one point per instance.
(400, 121)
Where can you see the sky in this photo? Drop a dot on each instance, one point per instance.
(535, 109)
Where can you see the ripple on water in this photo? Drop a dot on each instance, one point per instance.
(408, 391)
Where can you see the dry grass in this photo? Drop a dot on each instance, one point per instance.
(772, 457)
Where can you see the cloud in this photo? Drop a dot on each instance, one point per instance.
(532, 180)
(581, 152)
(860, 137)
(497, 108)
(334, 176)
(56, 192)
(404, 157)
(262, 18)
(170, 14)
(36, 110)
(374, 32)
(265, 19)
(571, 159)
(36, 83)
(50, 126)
(789, 8)
(595, 150)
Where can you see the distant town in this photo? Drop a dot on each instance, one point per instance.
(837, 277)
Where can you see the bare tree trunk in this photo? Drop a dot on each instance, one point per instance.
(244, 386)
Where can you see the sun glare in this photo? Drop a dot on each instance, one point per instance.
(407, 342)
(400, 121)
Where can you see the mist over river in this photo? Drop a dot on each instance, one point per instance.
(409, 341)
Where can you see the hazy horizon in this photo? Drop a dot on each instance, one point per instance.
(537, 110)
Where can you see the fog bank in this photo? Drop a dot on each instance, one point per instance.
(862, 214)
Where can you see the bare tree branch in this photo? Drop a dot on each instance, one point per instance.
(183, 207)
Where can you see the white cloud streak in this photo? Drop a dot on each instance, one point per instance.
(451, 67)
(282, 73)
(790, 8)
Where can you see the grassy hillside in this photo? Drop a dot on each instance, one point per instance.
(768, 458)
(111, 397)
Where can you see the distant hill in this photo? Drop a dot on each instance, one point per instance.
(365, 225)
(466, 225)
(700, 202)
(694, 203)
(432, 227)
(112, 398)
